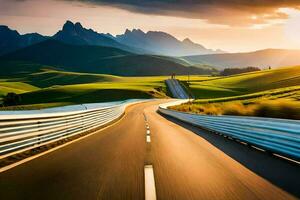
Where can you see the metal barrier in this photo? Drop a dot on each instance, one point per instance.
(24, 130)
(280, 136)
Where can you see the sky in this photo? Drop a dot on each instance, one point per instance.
(230, 25)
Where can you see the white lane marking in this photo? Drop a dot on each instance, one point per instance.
(148, 132)
(150, 192)
(258, 148)
(295, 161)
(148, 139)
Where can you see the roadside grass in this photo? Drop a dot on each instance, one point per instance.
(35, 106)
(280, 108)
(276, 103)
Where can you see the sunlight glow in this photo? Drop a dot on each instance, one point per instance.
(292, 27)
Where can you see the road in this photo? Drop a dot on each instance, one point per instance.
(110, 165)
(176, 89)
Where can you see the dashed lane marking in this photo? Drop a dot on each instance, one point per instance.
(150, 191)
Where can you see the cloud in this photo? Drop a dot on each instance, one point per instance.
(225, 12)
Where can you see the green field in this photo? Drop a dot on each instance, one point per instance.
(272, 93)
(16, 87)
(243, 84)
(49, 87)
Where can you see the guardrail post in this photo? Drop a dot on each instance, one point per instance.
(39, 136)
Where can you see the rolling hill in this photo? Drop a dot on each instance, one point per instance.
(247, 83)
(97, 59)
(262, 59)
(16, 87)
(63, 88)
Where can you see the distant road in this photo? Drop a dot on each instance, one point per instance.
(110, 165)
(176, 89)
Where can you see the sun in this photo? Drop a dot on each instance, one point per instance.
(292, 27)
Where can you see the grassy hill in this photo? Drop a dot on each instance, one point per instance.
(16, 87)
(246, 83)
(116, 89)
(262, 59)
(272, 93)
(102, 60)
(50, 77)
(49, 88)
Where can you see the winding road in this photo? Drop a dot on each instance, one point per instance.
(110, 164)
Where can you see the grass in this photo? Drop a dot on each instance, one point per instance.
(280, 108)
(61, 88)
(287, 92)
(271, 93)
(49, 77)
(246, 83)
(92, 92)
(35, 106)
(52, 87)
(16, 87)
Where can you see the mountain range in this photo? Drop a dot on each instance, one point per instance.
(135, 41)
(97, 59)
(162, 43)
(11, 40)
(134, 53)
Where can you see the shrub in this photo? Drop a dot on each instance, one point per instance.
(11, 99)
(282, 108)
(287, 109)
(232, 71)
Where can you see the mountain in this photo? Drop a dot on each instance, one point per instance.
(135, 41)
(262, 59)
(162, 43)
(11, 40)
(75, 34)
(99, 59)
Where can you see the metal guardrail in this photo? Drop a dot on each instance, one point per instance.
(24, 130)
(278, 136)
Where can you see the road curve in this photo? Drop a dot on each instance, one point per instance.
(110, 165)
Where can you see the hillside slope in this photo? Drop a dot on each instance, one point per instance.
(247, 83)
(262, 59)
(96, 59)
(16, 87)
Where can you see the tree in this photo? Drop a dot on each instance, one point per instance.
(232, 71)
(11, 99)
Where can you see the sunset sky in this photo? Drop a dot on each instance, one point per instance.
(230, 25)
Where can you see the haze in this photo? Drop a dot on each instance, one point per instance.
(225, 25)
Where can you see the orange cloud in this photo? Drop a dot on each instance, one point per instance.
(225, 12)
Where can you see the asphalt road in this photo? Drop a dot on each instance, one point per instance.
(110, 165)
